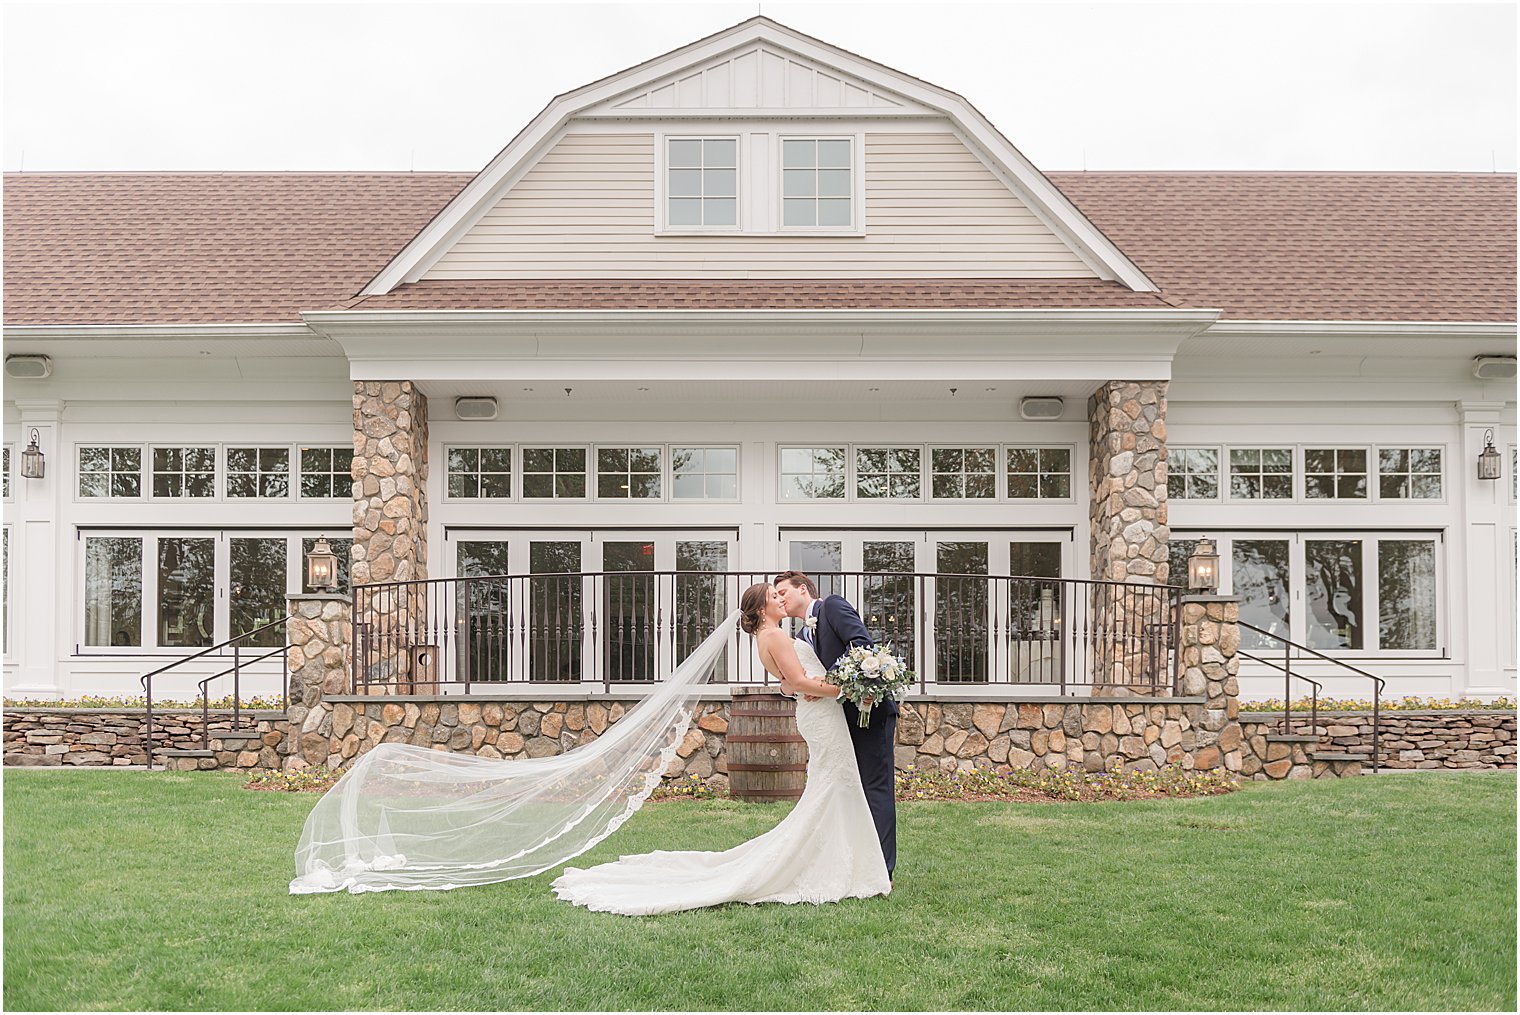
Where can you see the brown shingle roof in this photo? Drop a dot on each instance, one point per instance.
(159, 248)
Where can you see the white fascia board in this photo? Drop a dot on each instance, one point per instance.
(1365, 329)
(1018, 173)
(156, 332)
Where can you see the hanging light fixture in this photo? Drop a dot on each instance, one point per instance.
(1490, 466)
(1203, 566)
(322, 566)
(33, 464)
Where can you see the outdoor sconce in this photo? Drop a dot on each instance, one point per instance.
(33, 464)
(1203, 567)
(322, 566)
(1489, 463)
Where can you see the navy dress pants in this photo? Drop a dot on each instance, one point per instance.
(873, 755)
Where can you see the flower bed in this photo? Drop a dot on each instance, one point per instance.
(274, 702)
(1407, 704)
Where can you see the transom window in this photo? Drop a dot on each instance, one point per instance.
(1039, 473)
(258, 472)
(554, 473)
(110, 472)
(813, 473)
(702, 182)
(480, 472)
(629, 473)
(5, 474)
(816, 185)
(1409, 473)
(963, 473)
(1192, 473)
(327, 472)
(704, 473)
(1335, 473)
(1261, 473)
(184, 472)
(894, 473)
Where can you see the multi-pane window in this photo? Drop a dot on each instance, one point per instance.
(554, 473)
(5, 474)
(1406, 594)
(813, 473)
(258, 472)
(963, 473)
(327, 472)
(628, 473)
(705, 473)
(184, 472)
(892, 473)
(1192, 473)
(1335, 473)
(1039, 473)
(480, 472)
(110, 472)
(702, 182)
(1409, 473)
(1261, 473)
(113, 598)
(816, 185)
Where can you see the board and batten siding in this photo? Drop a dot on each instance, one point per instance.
(586, 210)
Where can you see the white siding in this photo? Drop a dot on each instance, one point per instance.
(587, 210)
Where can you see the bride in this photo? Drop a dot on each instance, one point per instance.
(825, 850)
(408, 818)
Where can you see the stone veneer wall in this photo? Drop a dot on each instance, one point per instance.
(110, 737)
(1444, 739)
(1127, 477)
(390, 482)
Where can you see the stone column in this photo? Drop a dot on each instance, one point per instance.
(1127, 478)
(1210, 642)
(390, 482)
(318, 638)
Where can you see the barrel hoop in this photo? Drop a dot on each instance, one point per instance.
(766, 768)
(760, 738)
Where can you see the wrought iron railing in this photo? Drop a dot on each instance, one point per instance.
(448, 635)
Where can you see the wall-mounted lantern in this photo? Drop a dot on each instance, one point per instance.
(1203, 566)
(33, 464)
(1490, 466)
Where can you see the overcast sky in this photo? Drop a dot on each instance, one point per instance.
(444, 86)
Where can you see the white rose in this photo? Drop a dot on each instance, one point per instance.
(870, 664)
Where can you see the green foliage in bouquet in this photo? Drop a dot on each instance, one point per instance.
(870, 674)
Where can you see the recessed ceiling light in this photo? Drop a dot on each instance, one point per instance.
(527, 389)
(643, 389)
(873, 389)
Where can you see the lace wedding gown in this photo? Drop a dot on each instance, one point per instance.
(825, 850)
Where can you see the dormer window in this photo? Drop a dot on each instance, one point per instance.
(817, 185)
(702, 183)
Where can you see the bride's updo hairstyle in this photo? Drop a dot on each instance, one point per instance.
(752, 605)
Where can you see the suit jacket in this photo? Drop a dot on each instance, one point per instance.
(840, 629)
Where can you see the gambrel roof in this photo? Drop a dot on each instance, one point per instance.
(154, 248)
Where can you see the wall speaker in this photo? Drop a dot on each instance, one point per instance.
(1485, 368)
(474, 407)
(1041, 407)
(31, 367)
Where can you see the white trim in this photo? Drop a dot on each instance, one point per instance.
(663, 227)
(857, 226)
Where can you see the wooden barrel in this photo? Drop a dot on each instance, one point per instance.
(767, 757)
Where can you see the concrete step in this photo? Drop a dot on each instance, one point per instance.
(185, 754)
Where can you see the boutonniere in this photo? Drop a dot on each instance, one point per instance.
(811, 623)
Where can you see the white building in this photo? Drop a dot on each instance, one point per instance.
(760, 303)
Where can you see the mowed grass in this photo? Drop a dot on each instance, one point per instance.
(131, 890)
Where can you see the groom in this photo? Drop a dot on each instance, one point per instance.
(833, 627)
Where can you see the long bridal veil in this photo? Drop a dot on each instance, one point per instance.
(411, 818)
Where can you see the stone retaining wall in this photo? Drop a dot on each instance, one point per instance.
(1408, 739)
(108, 737)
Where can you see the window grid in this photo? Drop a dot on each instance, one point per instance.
(110, 470)
(814, 473)
(1261, 473)
(1192, 473)
(187, 472)
(479, 473)
(888, 473)
(1409, 473)
(705, 473)
(1335, 473)
(5, 477)
(702, 183)
(554, 473)
(817, 183)
(963, 473)
(629, 473)
(258, 472)
(1039, 473)
(327, 472)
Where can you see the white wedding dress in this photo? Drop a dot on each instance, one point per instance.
(825, 850)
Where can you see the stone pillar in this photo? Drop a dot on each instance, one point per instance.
(1210, 642)
(1127, 478)
(390, 482)
(318, 637)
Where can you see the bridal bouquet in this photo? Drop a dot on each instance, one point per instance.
(869, 673)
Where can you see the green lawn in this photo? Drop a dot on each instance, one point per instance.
(131, 890)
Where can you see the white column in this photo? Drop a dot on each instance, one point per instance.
(1481, 604)
(39, 610)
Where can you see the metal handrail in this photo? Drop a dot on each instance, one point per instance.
(1377, 686)
(1313, 695)
(146, 680)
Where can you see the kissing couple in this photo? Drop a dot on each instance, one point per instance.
(404, 817)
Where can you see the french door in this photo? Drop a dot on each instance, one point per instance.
(968, 623)
(588, 605)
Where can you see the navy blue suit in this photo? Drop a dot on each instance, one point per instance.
(840, 628)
